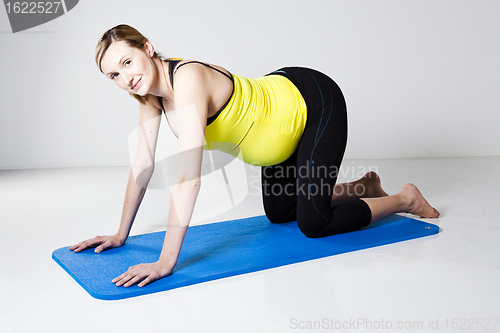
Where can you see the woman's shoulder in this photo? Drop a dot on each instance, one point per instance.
(197, 67)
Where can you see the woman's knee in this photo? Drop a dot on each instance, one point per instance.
(349, 216)
(280, 216)
(309, 229)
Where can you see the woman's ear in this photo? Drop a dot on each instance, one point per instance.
(148, 47)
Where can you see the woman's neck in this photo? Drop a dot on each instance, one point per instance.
(161, 86)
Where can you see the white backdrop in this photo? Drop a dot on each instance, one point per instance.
(421, 77)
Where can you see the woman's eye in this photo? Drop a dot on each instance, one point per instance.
(113, 76)
(127, 62)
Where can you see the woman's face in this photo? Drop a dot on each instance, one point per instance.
(130, 68)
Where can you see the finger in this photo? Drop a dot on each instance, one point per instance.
(146, 281)
(88, 243)
(82, 247)
(125, 277)
(103, 246)
(136, 279)
(136, 272)
(118, 278)
(130, 272)
(75, 246)
(124, 280)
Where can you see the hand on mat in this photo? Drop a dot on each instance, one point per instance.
(145, 272)
(107, 242)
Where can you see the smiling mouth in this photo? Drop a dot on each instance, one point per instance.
(135, 85)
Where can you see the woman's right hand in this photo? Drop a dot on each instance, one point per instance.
(106, 242)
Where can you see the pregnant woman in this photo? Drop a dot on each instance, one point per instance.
(292, 122)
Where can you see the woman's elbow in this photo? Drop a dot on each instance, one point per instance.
(193, 184)
(189, 184)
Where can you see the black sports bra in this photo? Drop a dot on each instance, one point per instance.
(171, 72)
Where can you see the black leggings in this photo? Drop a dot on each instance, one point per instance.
(301, 188)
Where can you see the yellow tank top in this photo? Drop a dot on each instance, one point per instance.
(262, 122)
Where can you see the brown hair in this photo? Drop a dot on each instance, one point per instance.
(131, 36)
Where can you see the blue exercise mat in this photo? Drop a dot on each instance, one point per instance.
(218, 250)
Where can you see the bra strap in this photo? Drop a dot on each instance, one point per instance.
(202, 63)
(161, 103)
(171, 66)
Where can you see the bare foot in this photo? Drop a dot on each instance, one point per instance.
(371, 181)
(417, 204)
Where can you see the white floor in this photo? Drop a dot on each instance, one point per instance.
(443, 283)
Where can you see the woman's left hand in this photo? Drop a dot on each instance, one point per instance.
(145, 272)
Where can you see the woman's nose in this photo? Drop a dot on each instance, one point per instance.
(128, 80)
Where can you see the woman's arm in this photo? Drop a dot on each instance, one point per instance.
(191, 103)
(140, 174)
